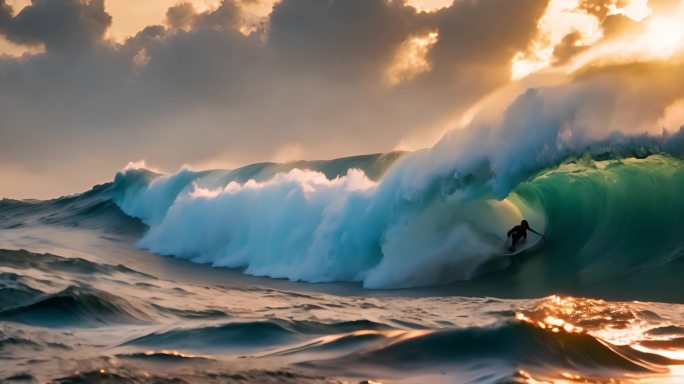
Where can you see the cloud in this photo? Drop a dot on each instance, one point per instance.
(61, 25)
(223, 86)
(218, 85)
(309, 80)
(570, 46)
(181, 16)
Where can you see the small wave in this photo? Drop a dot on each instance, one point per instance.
(334, 345)
(23, 259)
(94, 209)
(227, 336)
(511, 343)
(18, 342)
(21, 378)
(164, 356)
(191, 314)
(76, 306)
(245, 336)
(126, 374)
(15, 291)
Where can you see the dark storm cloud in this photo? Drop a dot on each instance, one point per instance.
(313, 75)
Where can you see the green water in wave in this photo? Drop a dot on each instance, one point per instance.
(613, 227)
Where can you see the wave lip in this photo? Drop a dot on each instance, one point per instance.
(77, 307)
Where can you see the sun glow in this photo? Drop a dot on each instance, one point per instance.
(660, 39)
(561, 18)
(411, 58)
(636, 10)
(571, 23)
(429, 5)
(663, 37)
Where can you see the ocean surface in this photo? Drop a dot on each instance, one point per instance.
(375, 269)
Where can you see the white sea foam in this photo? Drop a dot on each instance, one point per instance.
(432, 218)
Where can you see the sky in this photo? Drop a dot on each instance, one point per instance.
(88, 85)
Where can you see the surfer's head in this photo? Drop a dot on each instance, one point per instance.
(524, 224)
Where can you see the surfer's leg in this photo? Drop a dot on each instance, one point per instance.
(514, 241)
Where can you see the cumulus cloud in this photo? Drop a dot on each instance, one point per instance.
(181, 16)
(218, 85)
(61, 25)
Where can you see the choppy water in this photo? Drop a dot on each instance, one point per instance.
(80, 302)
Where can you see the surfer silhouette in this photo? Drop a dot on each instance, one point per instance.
(520, 232)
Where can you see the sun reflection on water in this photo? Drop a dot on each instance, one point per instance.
(617, 324)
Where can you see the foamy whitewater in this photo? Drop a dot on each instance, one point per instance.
(435, 216)
(210, 276)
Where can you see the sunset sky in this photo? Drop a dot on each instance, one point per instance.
(88, 85)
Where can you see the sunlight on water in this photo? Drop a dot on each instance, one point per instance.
(615, 324)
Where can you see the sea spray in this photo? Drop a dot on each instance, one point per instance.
(436, 215)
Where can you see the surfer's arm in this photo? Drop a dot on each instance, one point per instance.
(533, 231)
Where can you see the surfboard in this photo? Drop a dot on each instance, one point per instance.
(523, 246)
(503, 259)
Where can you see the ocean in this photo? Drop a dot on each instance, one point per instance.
(386, 268)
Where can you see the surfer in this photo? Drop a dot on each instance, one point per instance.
(520, 231)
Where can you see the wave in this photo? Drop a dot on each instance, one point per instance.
(247, 335)
(550, 337)
(77, 307)
(165, 375)
(148, 196)
(15, 290)
(94, 209)
(604, 216)
(162, 356)
(507, 344)
(367, 348)
(23, 259)
(612, 226)
(609, 207)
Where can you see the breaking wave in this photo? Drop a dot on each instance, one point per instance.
(607, 211)
(609, 204)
